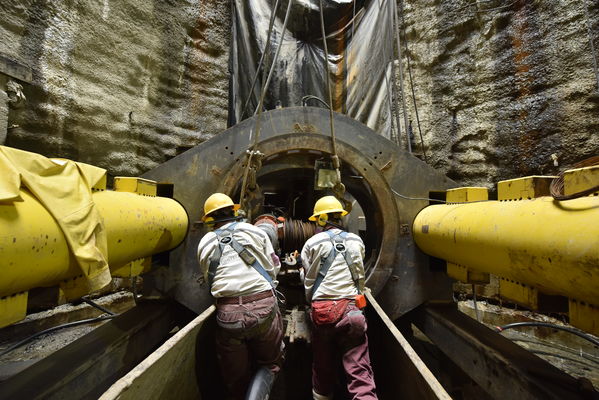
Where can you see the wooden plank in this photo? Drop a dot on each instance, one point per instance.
(170, 369)
(15, 70)
(425, 373)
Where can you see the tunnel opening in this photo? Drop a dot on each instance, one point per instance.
(288, 185)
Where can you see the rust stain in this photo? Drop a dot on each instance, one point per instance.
(216, 171)
(521, 42)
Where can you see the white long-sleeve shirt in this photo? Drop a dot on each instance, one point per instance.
(338, 283)
(233, 276)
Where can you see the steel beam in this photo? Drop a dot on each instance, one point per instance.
(499, 366)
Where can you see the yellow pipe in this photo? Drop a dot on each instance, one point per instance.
(551, 245)
(34, 252)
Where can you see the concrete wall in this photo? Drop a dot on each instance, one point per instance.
(122, 84)
(501, 90)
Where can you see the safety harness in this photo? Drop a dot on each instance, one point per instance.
(338, 240)
(225, 238)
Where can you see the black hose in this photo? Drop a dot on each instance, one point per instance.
(552, 326)
(55, 328)
(311, 97)
(96, 305)
(260, 385)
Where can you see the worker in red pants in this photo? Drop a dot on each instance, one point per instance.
(239, 263)
(333, 281)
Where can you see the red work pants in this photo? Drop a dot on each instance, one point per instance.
(348, 338)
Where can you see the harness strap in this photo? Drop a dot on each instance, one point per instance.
(225, 237)
(327, 262)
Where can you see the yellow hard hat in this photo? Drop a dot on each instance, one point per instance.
(326, 205)
(217, 201)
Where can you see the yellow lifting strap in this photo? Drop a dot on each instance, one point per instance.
(63, 187)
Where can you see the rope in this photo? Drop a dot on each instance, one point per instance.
(270, 25)
(251, 151)
(557, 185)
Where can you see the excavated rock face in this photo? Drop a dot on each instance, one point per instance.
(124, 84)
(499, 90)
(500, 85)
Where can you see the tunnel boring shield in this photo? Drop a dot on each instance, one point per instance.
(291, 140)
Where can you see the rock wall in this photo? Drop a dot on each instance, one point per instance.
(121, 84)
(502, 85)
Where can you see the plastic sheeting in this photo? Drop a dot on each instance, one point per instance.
(63, 187)
(360, 46)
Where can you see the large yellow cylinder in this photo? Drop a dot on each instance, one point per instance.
(551, 245)
(34, 252)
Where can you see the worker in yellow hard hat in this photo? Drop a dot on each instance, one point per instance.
(334, 284)
(240, 266)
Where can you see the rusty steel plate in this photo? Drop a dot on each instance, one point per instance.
(397, 271)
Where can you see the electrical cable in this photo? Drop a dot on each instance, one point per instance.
(312, 97)
(55, 328)
(268, 35)
(437, 200)
(552, 326)
(96, 305)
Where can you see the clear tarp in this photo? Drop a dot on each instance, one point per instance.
(360, 46)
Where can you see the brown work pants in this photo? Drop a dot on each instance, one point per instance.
(248, 335)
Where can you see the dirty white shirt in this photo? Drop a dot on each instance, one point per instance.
(233, 276)
(338, 283)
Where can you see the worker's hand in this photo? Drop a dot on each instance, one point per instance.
(298, 259)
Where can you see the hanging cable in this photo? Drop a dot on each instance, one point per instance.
(335, 158)
(438, 200)
(412, 85)
(270, 25)
(552, 326)
(403, 97)
(252, 149)
(311, 97)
